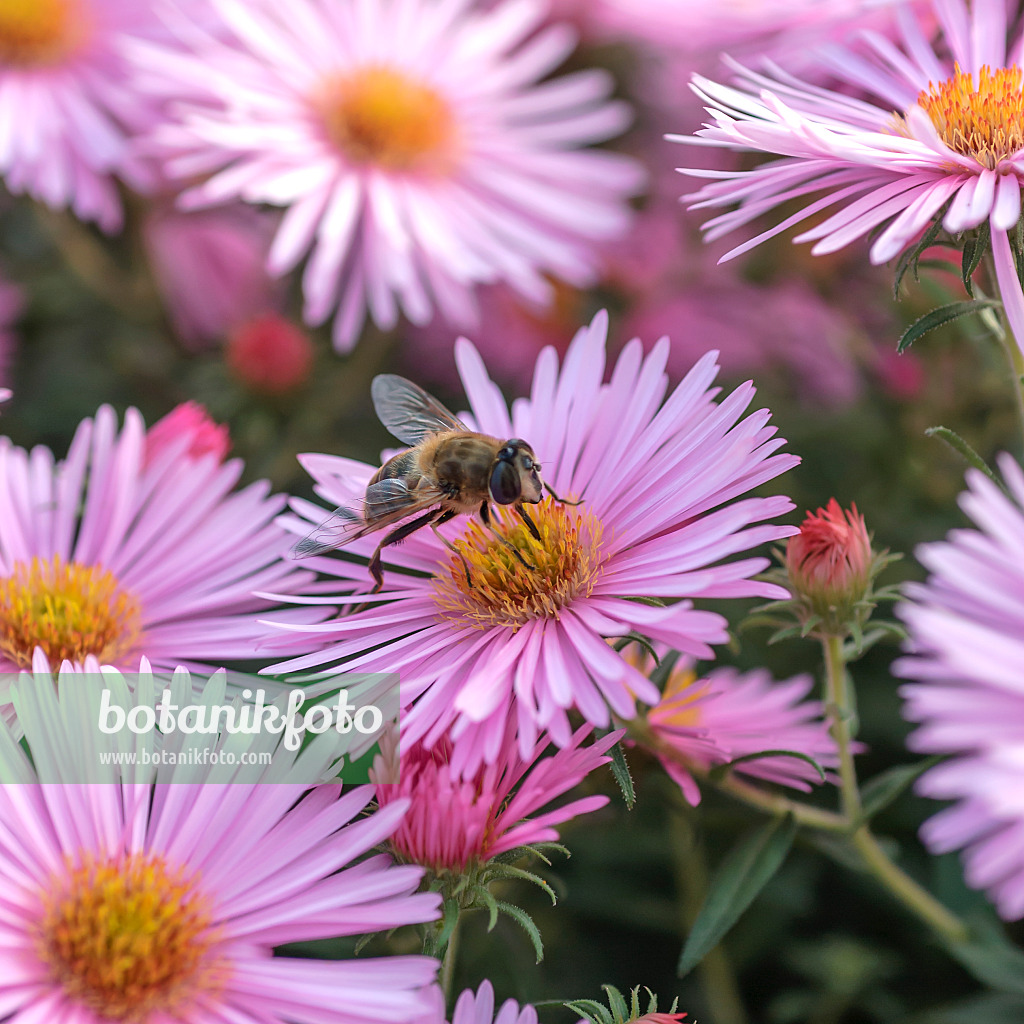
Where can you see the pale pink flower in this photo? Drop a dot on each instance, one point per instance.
(716, 717)
(966, 648)
(946, 129)
(661, 477)
(67, 112)
(116, 552)
(163, 900)
(457, 821)
(210, 267)
(478, 1008)
(412, 145)
(187, 427)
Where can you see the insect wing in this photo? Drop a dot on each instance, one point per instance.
(386, 502)
(408, 412)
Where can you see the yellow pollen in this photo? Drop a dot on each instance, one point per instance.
(382, 117)
(680, 684)
(68, 610)
(126, 938)
(984, 121)
(567, 562)
(38, 32)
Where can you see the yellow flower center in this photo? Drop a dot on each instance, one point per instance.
(564, 564)
(985, 121)
(382, 117)
(128, 937)
(38, 32)
(68, 610)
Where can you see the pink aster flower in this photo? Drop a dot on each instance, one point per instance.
(661, 478)
(478, 1008)
(191, 423)
(955, 138)
(967, 647)
(726, 714)
(116, 551)
(67, 116)
(457, 820)
(411, 145)
(152, 901)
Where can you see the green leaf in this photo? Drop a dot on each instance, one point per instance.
(621, 772)
(449, 919)
(940, 316)
(993, 961)
(508, 871)
(741, 876)
(524, 919)
(883, 789)
(958, 444)
(974, 250)
(589, 1009)
(616, 1003)
(721, 770)
(637, 638)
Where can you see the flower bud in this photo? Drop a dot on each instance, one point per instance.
(269, 354)
(830, 566)
(188, 420)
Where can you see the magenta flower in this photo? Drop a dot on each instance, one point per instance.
(726, 714)
(955, 138)
(67, 115)
(139, 901)
(411, 145)
(125, 548)
(662, 480)
(967, 647)
(457, 821)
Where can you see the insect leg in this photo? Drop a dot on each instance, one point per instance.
(561, 501)
(485, 515)
(530, 524)
(444, 518)
(396, 535)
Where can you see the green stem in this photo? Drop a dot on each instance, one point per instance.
(717, 978)
(900, 884)
(1000, 328)
(448, 965)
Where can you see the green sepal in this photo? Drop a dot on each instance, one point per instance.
(942, 315)
(719, 771)
(620, 769)
(526, 922)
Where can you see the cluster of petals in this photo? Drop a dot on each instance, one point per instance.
(726, 714)
(662, 476)
(457, 821)
(891, 174)
(68, 120)
(503, 191)
(966, 626)
(240, 868)
(157, 514)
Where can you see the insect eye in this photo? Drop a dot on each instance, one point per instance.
(504, 485)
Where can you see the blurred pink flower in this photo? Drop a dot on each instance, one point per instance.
(966, 649)
(210, 268)
(727, 714)
(192, 884)
(411, 145)
(115, 555)
(661, 486)
(951, 150)
(457, 821)
(68, 108)
(187, 429)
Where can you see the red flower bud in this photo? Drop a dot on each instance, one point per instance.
(829, 563)
(269, 354)
(192, 421)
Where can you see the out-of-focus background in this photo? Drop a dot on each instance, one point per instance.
(177, 306)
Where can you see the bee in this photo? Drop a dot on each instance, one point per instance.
(449, 471)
